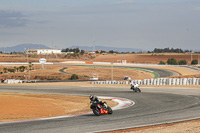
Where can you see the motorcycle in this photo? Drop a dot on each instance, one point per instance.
(100, 109)
(135, 87)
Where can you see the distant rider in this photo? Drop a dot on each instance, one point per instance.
(133, 84)
(95, 99)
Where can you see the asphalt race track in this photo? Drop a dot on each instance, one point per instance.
(160, 72)
(152, 106)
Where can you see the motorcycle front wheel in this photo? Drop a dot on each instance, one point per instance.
(109, 110)
(138, 90)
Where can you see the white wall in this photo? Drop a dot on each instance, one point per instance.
(159, 81)
(48, 51)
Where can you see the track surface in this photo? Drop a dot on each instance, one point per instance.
(152, 106)
(161, 72)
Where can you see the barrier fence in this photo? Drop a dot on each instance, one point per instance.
(159, 81)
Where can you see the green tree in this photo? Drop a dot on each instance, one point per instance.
(172, 61)
(15, 68)
(194, 62)
(162, 63)
(182, 62)
(111, 51)
(82, 52)
(5, 70)
(30, 65)
(74, 77)
(22, 68)
(11, 70)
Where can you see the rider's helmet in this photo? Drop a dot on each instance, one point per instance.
(91, 97)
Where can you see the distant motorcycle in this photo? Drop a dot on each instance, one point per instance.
(99, 109)
(135, 87)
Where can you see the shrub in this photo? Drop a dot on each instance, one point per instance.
(161, 63)
(194, 62)
(182, 62)
(74, 77)
(172, 61)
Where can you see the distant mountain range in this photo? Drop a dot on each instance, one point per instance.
(22, 47)
(87, 48)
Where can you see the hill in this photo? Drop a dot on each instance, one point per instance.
(87, 48)
(22, 47)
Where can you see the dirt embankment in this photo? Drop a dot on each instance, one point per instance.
(145, 58)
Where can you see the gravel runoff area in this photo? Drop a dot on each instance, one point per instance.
(19, 106)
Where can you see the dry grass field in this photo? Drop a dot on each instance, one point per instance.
(145, 58)
(52, 73)
(33, 106)
(49, 73)
(105, 73)
(131, 58)
(35, 58)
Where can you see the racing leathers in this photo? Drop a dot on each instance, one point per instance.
(103, 103)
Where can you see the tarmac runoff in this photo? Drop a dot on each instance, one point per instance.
(122, 104)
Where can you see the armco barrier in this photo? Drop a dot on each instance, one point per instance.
(159, 81)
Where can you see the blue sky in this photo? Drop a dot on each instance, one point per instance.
(144, 24)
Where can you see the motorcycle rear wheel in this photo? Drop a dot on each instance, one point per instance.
(138, 90)
(96, 111)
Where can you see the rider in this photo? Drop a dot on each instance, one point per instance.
(94, 98)
(133, 84)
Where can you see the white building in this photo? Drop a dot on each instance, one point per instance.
(44, 51)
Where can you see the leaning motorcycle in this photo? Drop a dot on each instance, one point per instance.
(135, 87)
(99, 109)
